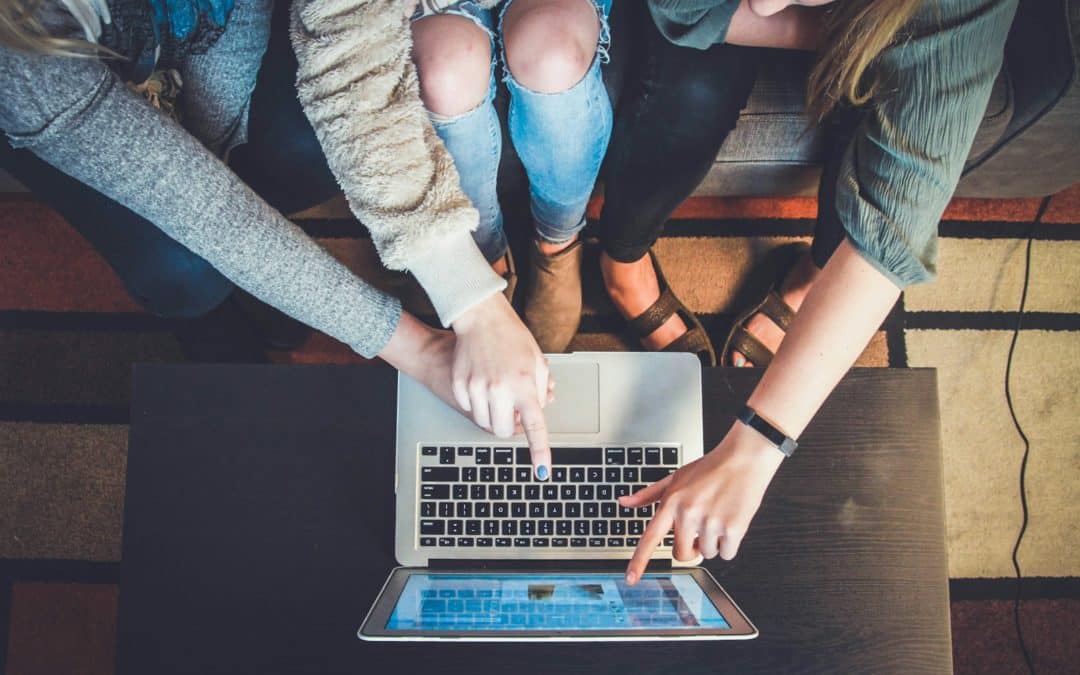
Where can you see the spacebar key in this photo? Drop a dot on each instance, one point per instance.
(577, 456)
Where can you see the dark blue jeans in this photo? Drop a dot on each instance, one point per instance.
(282, 161)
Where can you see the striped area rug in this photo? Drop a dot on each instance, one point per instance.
(69, 334)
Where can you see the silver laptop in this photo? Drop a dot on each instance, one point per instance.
(491, 553)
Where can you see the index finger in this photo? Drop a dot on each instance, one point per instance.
(654, 534)
(532, 422)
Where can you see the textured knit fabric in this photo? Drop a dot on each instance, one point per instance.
(77, 116)
(359, 88)
(905, 158)
(694, 23)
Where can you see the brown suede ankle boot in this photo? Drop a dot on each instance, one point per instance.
(553, 301)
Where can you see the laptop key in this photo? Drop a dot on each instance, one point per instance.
(465, 541)
(458, 526)
(446, 509)
(491, 527)
(591, 509)
(435, 492)
(669, 541)
(568, 491)
(635, 456)
(427, 541)
(482, 510)
(518, 510)
(614, 456)
(586, 492)
(617, 527)
(427, 509)
(521, 542)
(551, 492)
(573, 510)
(508, 527)
(446, 541)
(528, 527)
(596, 541)
(636, 527)
(604, 492)
(595, 474)
(632, 541)
(577, 542)
(464, 451)
(523, 455)
(558, 474)
(581, 527)
(478, 492)
(496, 492)
(429, 451)
(461, 491)
(446, 455)
(651, 475)
(613, 474)
(569, 456)
(540, 541)
(607, 509)
(630, 475)
(483, 541)
(560, 541)
(468, 474)
(545, 528)
(502, 541)
(464, 510)
(500, 509)
(652, 455)
(563, 527)
(473, 527)
(621, 490)
(487, 474)
(506, 474)
(532, 492)
(537, 510)
(626, 512)
(522, 474)
(514, 492)
(483, 456)
(439, 474)
(615, 541)
(577, 474)
(503, 456)
(599, 527)
(671, 456)
(554, 510)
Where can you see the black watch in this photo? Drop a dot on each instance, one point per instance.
(782, 441)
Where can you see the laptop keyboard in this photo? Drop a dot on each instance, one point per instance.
(487, 497)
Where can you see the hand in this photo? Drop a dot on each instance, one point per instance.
(500, 376)
(710, 501)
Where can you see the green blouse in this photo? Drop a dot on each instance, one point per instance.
(903, 163)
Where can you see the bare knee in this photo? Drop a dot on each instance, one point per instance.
(453, 59)
(550, 44)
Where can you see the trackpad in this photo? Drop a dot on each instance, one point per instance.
(576, 408)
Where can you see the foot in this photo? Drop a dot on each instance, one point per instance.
(633, 288)
(552, 310)
(793, 291)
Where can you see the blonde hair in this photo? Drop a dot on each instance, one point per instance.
(856, 32)
(20, 29)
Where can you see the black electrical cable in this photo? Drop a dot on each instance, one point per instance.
(1023, 436)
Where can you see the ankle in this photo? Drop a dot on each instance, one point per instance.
(549, 249)
(624, 277)
(799, 282)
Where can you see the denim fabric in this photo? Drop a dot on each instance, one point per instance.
(561, 139)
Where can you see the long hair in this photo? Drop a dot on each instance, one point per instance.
(856, 32)
(22, 30)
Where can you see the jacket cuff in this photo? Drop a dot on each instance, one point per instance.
(455, 275)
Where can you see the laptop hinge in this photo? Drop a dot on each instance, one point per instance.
(458, 564)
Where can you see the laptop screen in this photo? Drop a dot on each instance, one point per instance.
(543, 602)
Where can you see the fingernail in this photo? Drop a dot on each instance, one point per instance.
(739, 360)
(630, 577)
(542, 472)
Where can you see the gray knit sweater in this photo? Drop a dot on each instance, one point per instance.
(76, 115)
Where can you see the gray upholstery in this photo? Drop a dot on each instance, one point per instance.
(1026, 145)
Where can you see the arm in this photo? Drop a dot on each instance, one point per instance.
(703, 23)
(896, 180)
(358, 85)
(78, 117)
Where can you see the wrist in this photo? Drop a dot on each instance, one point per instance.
(410, 343)
(754, 449)
(480, 313)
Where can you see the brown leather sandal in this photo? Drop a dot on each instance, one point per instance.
(771, 305)
(695, 340)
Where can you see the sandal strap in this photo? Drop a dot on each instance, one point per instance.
(749, 346)
(777, 310)
(693, 341)
(652, 318)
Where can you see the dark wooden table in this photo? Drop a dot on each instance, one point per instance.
(258, 530)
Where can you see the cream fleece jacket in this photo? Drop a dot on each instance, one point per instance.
(359, 88)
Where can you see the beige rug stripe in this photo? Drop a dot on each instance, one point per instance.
(983, 275)
(982, 451)
(63, 487)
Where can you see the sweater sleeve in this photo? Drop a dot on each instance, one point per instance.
(906, 156)
(693, 23)
(76, 115)
(359, 88)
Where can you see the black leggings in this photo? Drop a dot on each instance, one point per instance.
(677, 107)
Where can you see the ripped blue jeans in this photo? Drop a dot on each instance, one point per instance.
(561, 139)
